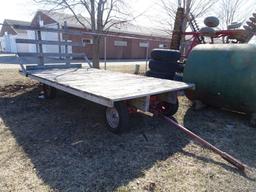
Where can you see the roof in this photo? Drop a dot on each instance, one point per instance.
(17, 22)
(127, 28)
(130, 28)
(12, 22)
(62, 17)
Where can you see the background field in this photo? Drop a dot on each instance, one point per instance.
(63, 145)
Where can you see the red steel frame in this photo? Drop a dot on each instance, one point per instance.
(218, 34)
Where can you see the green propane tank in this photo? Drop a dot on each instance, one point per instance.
(224, 76)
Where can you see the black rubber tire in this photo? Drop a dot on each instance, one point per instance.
(160, 75)
(162, 66)
(168, 55)
(49, 92)
(123, 126)
(171, 109)
(211, 21)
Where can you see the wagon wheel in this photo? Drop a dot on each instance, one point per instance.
(49, 92)
(168, 109)
(117, 118)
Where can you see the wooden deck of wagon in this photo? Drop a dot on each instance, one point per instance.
(105, 87)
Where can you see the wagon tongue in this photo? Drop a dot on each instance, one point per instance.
(204, 143)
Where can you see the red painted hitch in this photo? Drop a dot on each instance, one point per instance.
(204, 143)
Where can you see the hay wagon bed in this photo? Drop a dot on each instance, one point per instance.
(121, 93)
(105, 87)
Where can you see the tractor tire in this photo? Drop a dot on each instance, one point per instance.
(167, 55)
(162, 66)
(170, 109)
(159, 75)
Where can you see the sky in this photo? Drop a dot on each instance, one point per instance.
(17, 9)
(25, 10)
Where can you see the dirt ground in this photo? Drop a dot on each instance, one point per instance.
(63, 145)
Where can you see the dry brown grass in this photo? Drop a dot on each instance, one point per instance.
(63, 145)
(125, 68)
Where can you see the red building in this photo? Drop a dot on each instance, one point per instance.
(127, 41)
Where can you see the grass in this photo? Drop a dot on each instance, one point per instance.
(63, 145)
(126, 68)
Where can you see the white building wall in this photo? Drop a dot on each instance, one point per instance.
(31, 47)
(49, 36)
(52, 36)
(8, 42)
(9, 45)
(21, 47)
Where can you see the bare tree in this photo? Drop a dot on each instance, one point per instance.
(179, 11)
(198, 8)
(102, 15)
(229, 11)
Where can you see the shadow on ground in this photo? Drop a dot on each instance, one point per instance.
(71, 149)
(228, 131)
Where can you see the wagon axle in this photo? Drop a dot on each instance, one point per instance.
(117, 117)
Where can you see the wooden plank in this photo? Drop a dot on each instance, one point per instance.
(111, 85)
(66, 46)
(59, 38)
(58, 66)
(32, 41)
(40, 48)
(26, 54)
(36, 39)
(46, 29)
(119, 80)
(94, 98)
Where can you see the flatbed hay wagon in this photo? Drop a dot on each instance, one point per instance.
(116, 91)
(120, 93)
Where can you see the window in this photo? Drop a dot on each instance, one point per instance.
(162, 46)
(120, 43)
(144, 44)
(87, 41)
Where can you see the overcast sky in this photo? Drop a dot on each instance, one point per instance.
(25, 9)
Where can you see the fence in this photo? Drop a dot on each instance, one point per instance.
(128, 49)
